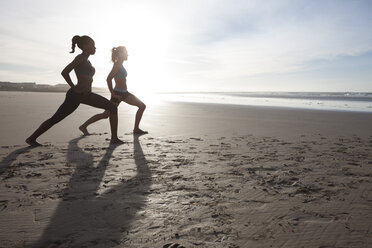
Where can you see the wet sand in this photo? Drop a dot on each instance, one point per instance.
(205, 176)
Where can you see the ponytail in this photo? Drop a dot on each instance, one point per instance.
(75, 40)
(114, 54)
(79, 41)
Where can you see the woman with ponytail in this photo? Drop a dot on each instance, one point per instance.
(79, 93)
(119, 93)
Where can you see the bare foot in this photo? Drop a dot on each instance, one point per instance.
(84, 130)
(139, 131)
(116, 141)
(33, 143)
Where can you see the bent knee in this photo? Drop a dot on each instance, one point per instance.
(142, 106)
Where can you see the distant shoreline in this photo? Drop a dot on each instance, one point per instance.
(48, 90)
(33, 87)
(35, 90)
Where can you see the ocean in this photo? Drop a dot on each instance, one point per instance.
(336, 101)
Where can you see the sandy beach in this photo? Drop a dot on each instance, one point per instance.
(206, 175)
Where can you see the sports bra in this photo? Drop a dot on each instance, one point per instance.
(85, 68)
(122, 73)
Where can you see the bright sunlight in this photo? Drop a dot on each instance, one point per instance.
(147, 38)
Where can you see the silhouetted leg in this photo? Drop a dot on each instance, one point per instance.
(133, 100)
(93, 119)
(68, 106)
(98, 101)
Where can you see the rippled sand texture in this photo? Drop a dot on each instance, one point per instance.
(206, 175)
(196, 191)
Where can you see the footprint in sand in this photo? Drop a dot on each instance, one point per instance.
(3, 204)
(173, 245)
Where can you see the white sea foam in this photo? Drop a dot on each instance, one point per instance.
(339, 101)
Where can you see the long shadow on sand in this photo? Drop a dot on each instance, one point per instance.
(87, 219)
(6, 162)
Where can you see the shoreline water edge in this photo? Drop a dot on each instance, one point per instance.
(329, 101)
(334, 101)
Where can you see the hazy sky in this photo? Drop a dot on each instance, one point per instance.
(207, 45)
